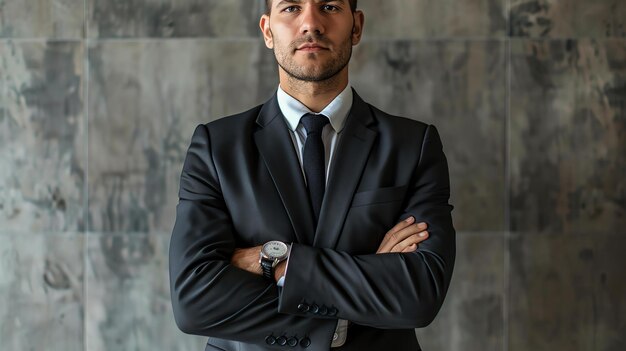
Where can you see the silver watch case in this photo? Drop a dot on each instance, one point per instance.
(268, 252)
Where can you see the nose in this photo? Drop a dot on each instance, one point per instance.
(311, 20)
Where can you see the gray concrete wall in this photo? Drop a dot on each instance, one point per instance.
(98, 100)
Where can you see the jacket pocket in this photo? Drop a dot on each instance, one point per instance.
(378, 196)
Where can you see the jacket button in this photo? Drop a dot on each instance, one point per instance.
(270, 340)
(314, 308)
(292, 341)
(323, 310)
(303, 307)
(305, 342)
(281, 340)
(332, 311)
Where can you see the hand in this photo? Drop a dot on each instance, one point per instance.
(403, 237)
(248, 259)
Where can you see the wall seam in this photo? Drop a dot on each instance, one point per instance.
(507, 181)
(86, 69)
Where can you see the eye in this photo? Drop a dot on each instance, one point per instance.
(330, 8)
(290, 9)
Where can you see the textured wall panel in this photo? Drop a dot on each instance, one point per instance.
(400, 19)
(567, 292)
(568, 135)
(128, 300)
(567, 18)
(42, 19)
(174, 18)
(146, 98)
(41, 136)
(41, 284)
(471, 317)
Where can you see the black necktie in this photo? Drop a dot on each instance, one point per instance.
(313, 159)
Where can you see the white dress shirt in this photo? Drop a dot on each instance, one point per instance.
(337, 112)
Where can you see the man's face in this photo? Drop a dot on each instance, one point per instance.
(312, 40)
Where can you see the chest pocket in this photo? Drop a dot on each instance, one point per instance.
(379, 196)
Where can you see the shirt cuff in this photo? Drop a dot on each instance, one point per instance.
(281, 281)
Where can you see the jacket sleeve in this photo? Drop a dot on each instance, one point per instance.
(393, 290)
(210, 296)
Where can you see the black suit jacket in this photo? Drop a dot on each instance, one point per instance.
(242, 186)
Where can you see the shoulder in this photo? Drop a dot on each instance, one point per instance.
(398, 125)
(235, 121)
(405, 133)
(230, 128)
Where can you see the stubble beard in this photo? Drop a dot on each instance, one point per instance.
(318, 74)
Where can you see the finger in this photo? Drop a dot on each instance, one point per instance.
(410, 248)
(410, 230)
(413, 239)
(393, 234)
(401, 225)
(395, 238)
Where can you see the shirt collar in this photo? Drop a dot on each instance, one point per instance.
(336, 111)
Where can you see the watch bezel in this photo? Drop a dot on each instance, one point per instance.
(276, 259)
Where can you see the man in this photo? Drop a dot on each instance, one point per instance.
(314, 221)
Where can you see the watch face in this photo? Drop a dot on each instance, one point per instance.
(275, 249)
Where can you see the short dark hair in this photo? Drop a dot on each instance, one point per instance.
(268, 5)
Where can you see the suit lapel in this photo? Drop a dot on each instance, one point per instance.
(278, 153)
(348, 163)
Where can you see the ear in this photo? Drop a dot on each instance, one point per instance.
(264, 24)
(357, 28)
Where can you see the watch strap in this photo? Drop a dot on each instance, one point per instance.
(268, 268)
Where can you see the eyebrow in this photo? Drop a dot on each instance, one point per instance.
(299, 1)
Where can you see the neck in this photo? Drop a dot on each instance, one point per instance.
(314, 95)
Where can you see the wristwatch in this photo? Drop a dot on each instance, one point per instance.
(272, 253)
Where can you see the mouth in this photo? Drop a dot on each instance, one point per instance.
(311, 47)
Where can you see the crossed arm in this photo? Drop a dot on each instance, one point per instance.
(403, 237)
(404, 288)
